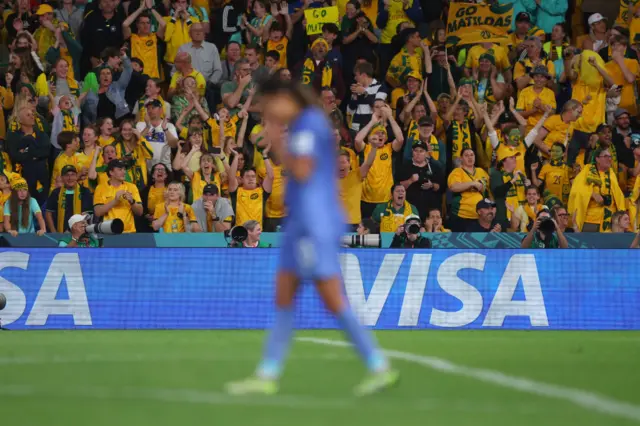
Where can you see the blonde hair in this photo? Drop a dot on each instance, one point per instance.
(181, 190)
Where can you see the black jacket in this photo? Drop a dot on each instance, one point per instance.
(401, 241)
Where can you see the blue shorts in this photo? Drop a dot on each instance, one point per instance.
(309, 257)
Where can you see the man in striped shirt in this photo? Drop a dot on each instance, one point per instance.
(364, 92)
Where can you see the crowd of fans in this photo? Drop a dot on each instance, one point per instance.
(148, 111)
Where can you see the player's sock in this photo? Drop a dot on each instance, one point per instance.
(277, 344)
(363, 341)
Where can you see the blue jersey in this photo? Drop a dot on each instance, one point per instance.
(316, 201)
(315, 221)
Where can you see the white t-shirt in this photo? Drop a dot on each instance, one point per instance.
(158, 142)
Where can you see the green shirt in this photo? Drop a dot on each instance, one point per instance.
(93, 242)
(381, 210)
(540, 243)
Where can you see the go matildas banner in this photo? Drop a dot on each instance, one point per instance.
(474, 23)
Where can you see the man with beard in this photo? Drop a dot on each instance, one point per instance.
(486, 218)
(622, 138)
(318, 72)
(423, 179)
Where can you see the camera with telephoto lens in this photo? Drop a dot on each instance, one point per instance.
(108, 227)
(238, 235)
(414, 228)
(547, 225)
(368, 240)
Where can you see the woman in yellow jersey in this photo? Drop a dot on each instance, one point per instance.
(624, 73)
(207, 173)
(555, 175)
(523, 216)
(105, 125)
(174, 216)
(595, 195)
(461, 131)
(469, 185)
(532, 99)
(90, 150)
(153, 195)
(490, 83)
(558, 128)
(135, 151)
(377, 186)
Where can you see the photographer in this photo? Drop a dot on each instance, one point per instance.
(79, 236)
(408, 235)
(247, 235)
(545, 233)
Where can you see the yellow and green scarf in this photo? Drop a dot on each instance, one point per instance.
(390, 221)
(77, 205)
(309, 71)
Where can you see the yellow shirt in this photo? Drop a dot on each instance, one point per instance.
(275, 203)
(404, 64)
(155, 198)
(145, 48)
(559, 131)
(281, 48)
(528, 96)
(556, 180)
(122, 210)
(63, 160)
(175, 35)
(521, 69)
(464, 203)
(249, 205)
(198, 184)
(379, 180)
(174, 224)
(627, 96)
(516, 195)
(521, 148)
(350, 195)
(102, 141)
(230, 129)
(397, 15)
(201, 83)
(595, 212)
(499, 53)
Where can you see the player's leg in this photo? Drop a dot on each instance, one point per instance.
(277, 345)
(328, 279)
(265, 381)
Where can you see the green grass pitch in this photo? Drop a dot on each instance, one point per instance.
(177, 377)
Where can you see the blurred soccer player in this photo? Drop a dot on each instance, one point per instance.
(311, 237)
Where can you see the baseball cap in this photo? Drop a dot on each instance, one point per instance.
(603, 126)
(113, 164)
(620, 112)
(68, 168)
(210, 189)
(154, 103)
(77, 218)
(412, 217)
(485, 204)
(425, 121)
(540, 70)
(43, 9)
(596, 17)
(420, 144)
(523, 17)
(506, 153)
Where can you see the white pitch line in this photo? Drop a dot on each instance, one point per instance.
(585, 399)
(142, 357)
